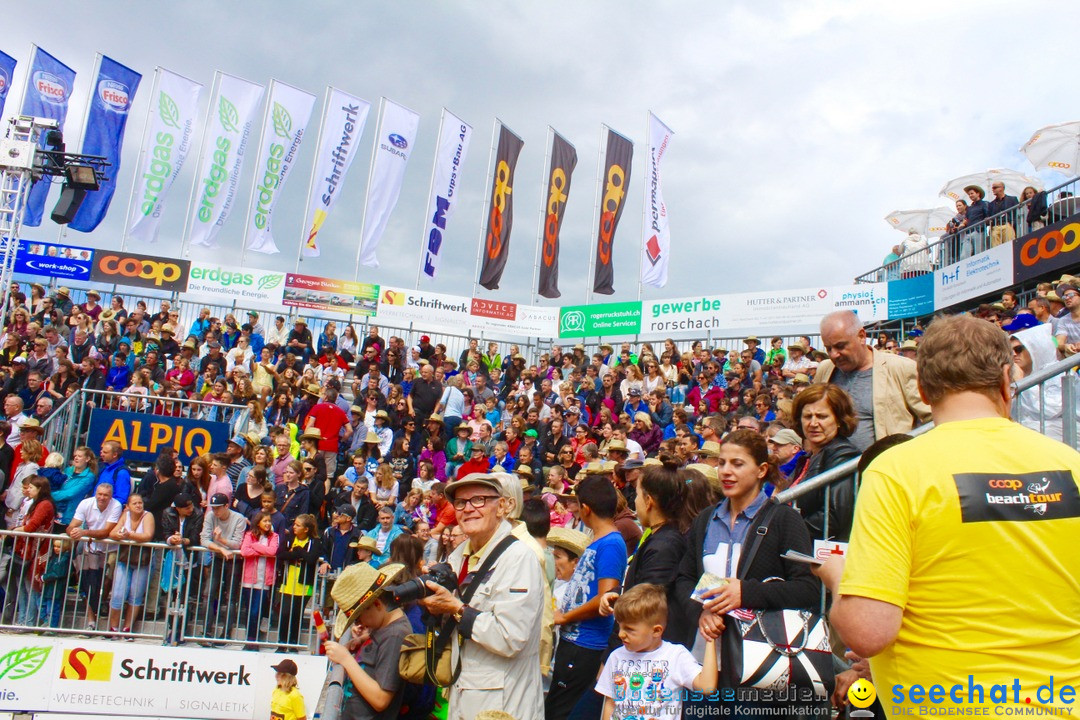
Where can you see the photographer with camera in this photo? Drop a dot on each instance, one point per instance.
(496, 634)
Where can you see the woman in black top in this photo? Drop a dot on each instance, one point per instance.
(299, 553)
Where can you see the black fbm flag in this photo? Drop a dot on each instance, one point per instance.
(620, 152)
(563, 162)
(501, 212)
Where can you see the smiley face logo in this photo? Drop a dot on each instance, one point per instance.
(861, 694)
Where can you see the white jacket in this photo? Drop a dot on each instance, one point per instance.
(1039, 342)
(500, 661)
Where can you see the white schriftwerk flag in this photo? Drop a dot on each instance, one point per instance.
(287, 115)
(396, 135)
(232, 110)
(656, 237)
(342, 127)
(174, 106)
(445, 180)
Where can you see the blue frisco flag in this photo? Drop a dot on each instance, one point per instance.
(110, 100)
(48, 90)
(7, 73)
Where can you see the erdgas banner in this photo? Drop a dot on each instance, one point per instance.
(287, 115)
(232, 110)
(342, 127)
(450, 155)
(171, 127)
(393, 146)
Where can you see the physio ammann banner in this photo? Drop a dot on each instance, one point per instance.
(560, 172)
(454, 139)
(47, 93)
(620, 153)
(143, 435)
(496, 246)
(110, 100)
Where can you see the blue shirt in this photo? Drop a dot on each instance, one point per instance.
(723, 539)
(117, 475)
(604, 558)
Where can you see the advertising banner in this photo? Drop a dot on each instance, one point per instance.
(911, 297)
(47, 92)
(341, 130)
(76, 675)
(397, 135)
(656, 238)
(232, 110)
(142, 435)
(560, 172)
(318, 293)
(173, 107)
(536, 321)
(110, 99)
(248, 286)
(59, 261)
(514, 319)
(1047, 250)
(600, 319)
(147, 271)
(500, 209)
(619, 155)
(7, 72)
(450, 155)
(974, 276)
(416, 306)
(287, 115)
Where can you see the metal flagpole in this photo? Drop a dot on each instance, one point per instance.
(142, 156)
(311, 181)
(544, 190)
(487, 206)
(431, 189)
(367, 192)
(645, 200)
(589, 280)
(185, 250)
(62, 233)
(255, 178)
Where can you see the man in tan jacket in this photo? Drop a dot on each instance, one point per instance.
(882, 385)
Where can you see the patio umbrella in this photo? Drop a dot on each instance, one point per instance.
(1014, 181)
(1055, 147)
(930, 222)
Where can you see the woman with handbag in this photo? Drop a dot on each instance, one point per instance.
(742, 539)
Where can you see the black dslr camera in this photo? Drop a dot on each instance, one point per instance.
(417, 589)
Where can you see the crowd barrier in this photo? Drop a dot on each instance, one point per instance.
(148, 591)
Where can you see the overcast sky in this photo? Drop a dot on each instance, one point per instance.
(798, 125)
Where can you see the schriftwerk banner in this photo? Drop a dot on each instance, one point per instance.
(450, 156)
(7, 72)
(173, 108)
(342, 127)
(287, 115)
(232, 110)
(656, 237)
(48, 90)
(563, 162)
(501, 209)
(620, 153)
(110, 100)
(397, 134)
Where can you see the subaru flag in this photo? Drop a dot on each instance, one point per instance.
(7, 72)
(110, 100)
(656, 239)
(48, 90)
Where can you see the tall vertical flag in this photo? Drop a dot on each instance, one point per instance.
(620, 153)
(342, 127)
(500, 209)
(174, 104)
(563, 162)
(232, 109)
(454, 136)
(656, 237)
(393, 146)
(7, 73)
(287, 115)
(110, 99)
(48, 90)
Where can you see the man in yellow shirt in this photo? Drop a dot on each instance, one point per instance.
(962, 581)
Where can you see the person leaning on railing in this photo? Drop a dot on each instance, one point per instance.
(132, 573)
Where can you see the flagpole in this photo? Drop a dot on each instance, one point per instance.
(544, 191)
(590, 281)
(487, 206)
(431, 189)
(142, 156)
(185, 249)
(62, 232)
(255, 178)
(311, 181)
(367, 192)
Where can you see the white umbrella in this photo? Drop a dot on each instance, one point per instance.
(1014, 181)
(930, 222)
(1055, 147)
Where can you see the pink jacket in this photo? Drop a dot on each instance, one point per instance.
(251, 550)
